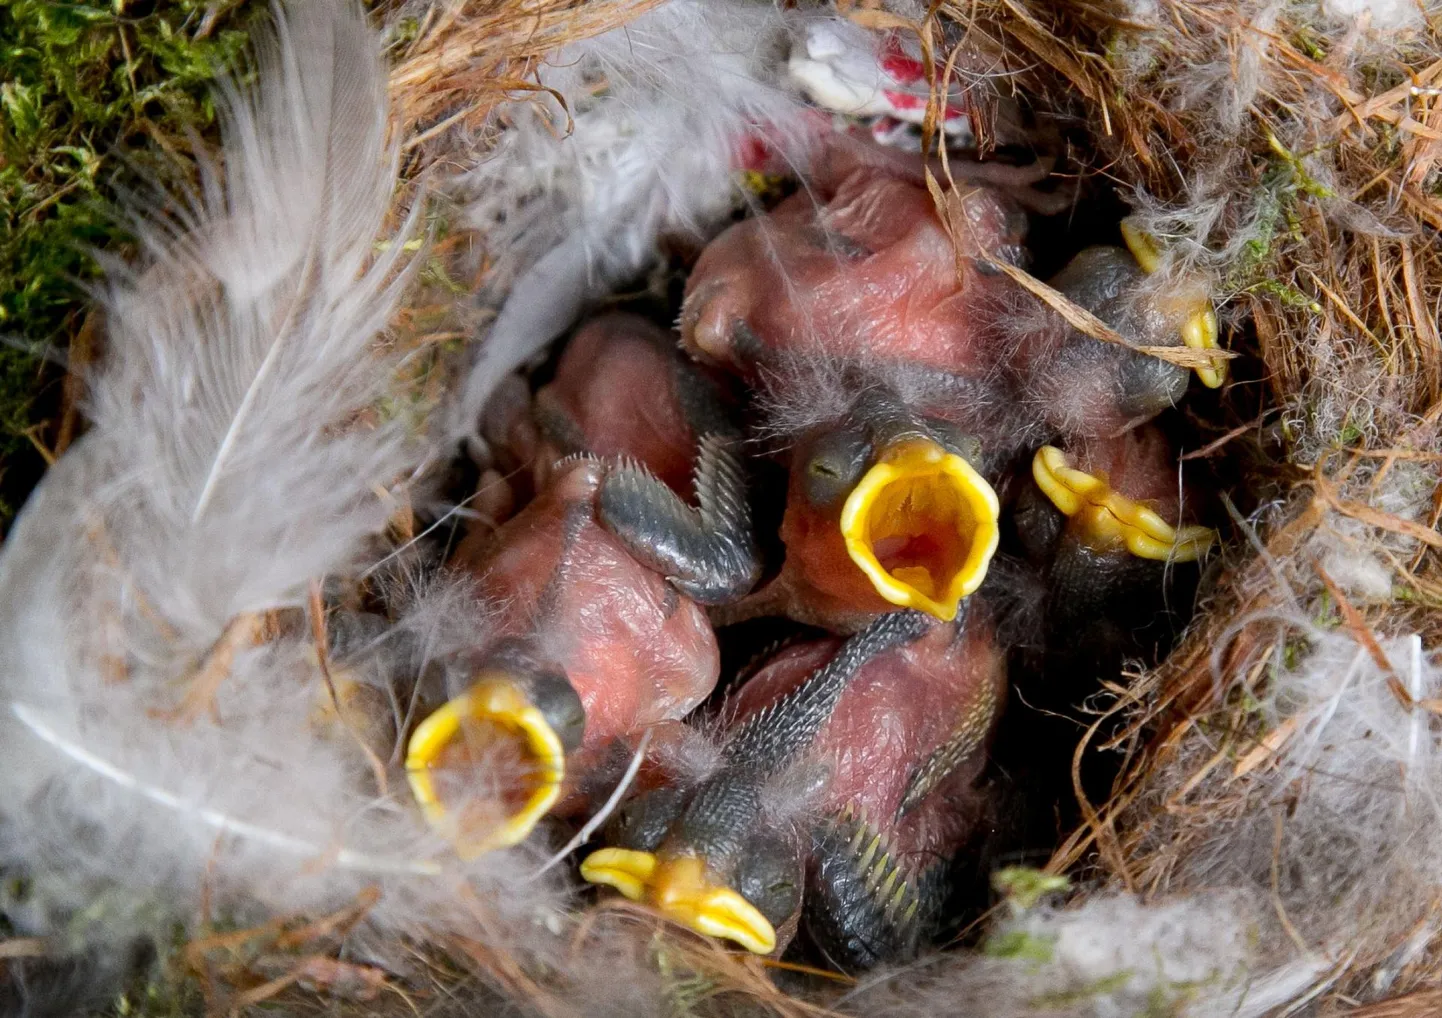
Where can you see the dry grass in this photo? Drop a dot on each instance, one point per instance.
(464, 59)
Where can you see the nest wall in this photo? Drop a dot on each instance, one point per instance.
(1269, 843)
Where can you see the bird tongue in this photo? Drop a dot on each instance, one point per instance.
(902, 555)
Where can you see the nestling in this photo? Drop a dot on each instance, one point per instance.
(845, 784)
(600, 632)
(1108, 520)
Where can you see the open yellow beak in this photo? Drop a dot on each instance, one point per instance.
(682, 890)
(922, 525)
(489, 722)
(1110, 520)
(1199, 324)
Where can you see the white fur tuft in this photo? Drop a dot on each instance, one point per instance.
(1109, 957)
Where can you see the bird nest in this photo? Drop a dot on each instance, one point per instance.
(1285, 749)
(1247, 825)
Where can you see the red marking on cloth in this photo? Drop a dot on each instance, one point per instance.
(895, 61)
(767, 149)
(902, 101)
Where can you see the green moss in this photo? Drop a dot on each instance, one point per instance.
(1020, 945)
(1285, 184)
(1070, 998)
(1286, 295)
(93, 96)
(1311, 43)
(1024, 886)
(685, 990)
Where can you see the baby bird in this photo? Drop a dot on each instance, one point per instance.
(1108, 520)
(863, 272)
(599, 632)
(845, 784)
(623, 389)
(886, 507)
(1080, 386)
(861, 269)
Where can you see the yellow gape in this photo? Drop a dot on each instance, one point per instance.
(1113, 521)
(922, 525)
(1199, 324)
(492, 716)
(682, 890)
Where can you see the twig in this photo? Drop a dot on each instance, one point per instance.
(322, 654)
(1084, 321)
(1212, 447)
(592, 825)
(243, 631)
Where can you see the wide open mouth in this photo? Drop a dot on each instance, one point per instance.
(486, 767)
(1110, 520)
(683, 890)
(1199, 326)
(922, 525)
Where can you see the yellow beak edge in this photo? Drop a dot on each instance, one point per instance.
(499, 701)
(1112, 520)
(1199, 328)
(682, 890)
(921, 492)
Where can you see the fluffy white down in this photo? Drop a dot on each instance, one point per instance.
(1381, 15)
(573, 207)
(1109, 957)
(1334, 818)
(229, 464)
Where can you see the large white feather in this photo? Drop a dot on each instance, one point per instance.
(237, 453)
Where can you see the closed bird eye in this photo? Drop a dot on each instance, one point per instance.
(767, 877)
(643, 823)
(836, 463)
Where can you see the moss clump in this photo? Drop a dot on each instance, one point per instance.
(93, 96)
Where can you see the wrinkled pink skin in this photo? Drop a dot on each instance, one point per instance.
(898, 709)
(635, 650)
(616, 386)
(868, 275)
